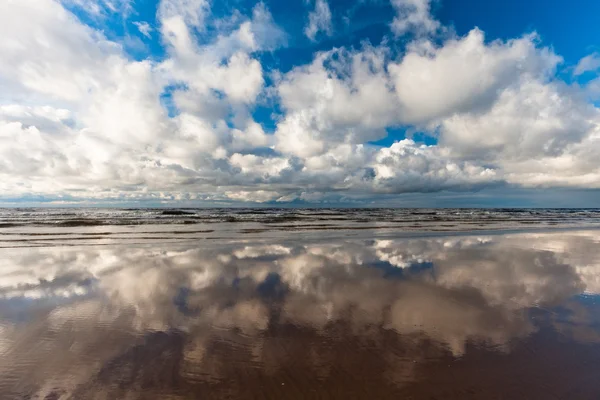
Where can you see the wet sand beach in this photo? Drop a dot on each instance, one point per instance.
(245, 310)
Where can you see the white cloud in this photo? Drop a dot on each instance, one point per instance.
(538, 134)
(527, 120)
(407, 167)
(266, 32)
(78, 115)
(191, 12)
(144, 28)
(259, 196)
(252, 137)
(319, 20)
(60, 58)
(589, 63)
(102, 8)
(347, 100)
(413, 16)
(254, 165)
(465, 74)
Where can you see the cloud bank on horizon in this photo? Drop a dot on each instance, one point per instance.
(179, 102)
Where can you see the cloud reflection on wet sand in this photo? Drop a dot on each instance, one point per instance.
(345, 319)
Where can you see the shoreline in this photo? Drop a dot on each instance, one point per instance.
(141, 236)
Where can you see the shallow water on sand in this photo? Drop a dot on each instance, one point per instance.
(503, 315)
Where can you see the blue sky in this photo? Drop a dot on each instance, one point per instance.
(307, 102)
(570, 29)
(354, 22)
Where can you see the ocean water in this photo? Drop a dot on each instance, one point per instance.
(53, 226)
(75, 217)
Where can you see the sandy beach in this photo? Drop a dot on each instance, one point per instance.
(159, 311)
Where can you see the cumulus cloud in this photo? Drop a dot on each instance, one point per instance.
(80, 117)
(408, 167)
(61, 58)
(341, 96)
(465, 74)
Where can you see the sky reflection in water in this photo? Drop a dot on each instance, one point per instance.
(460, 316)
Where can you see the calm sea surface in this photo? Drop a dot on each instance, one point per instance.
(309, 304)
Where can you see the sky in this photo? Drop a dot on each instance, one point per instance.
(433, 103)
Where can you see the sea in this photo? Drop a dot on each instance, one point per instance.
(47, 226)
